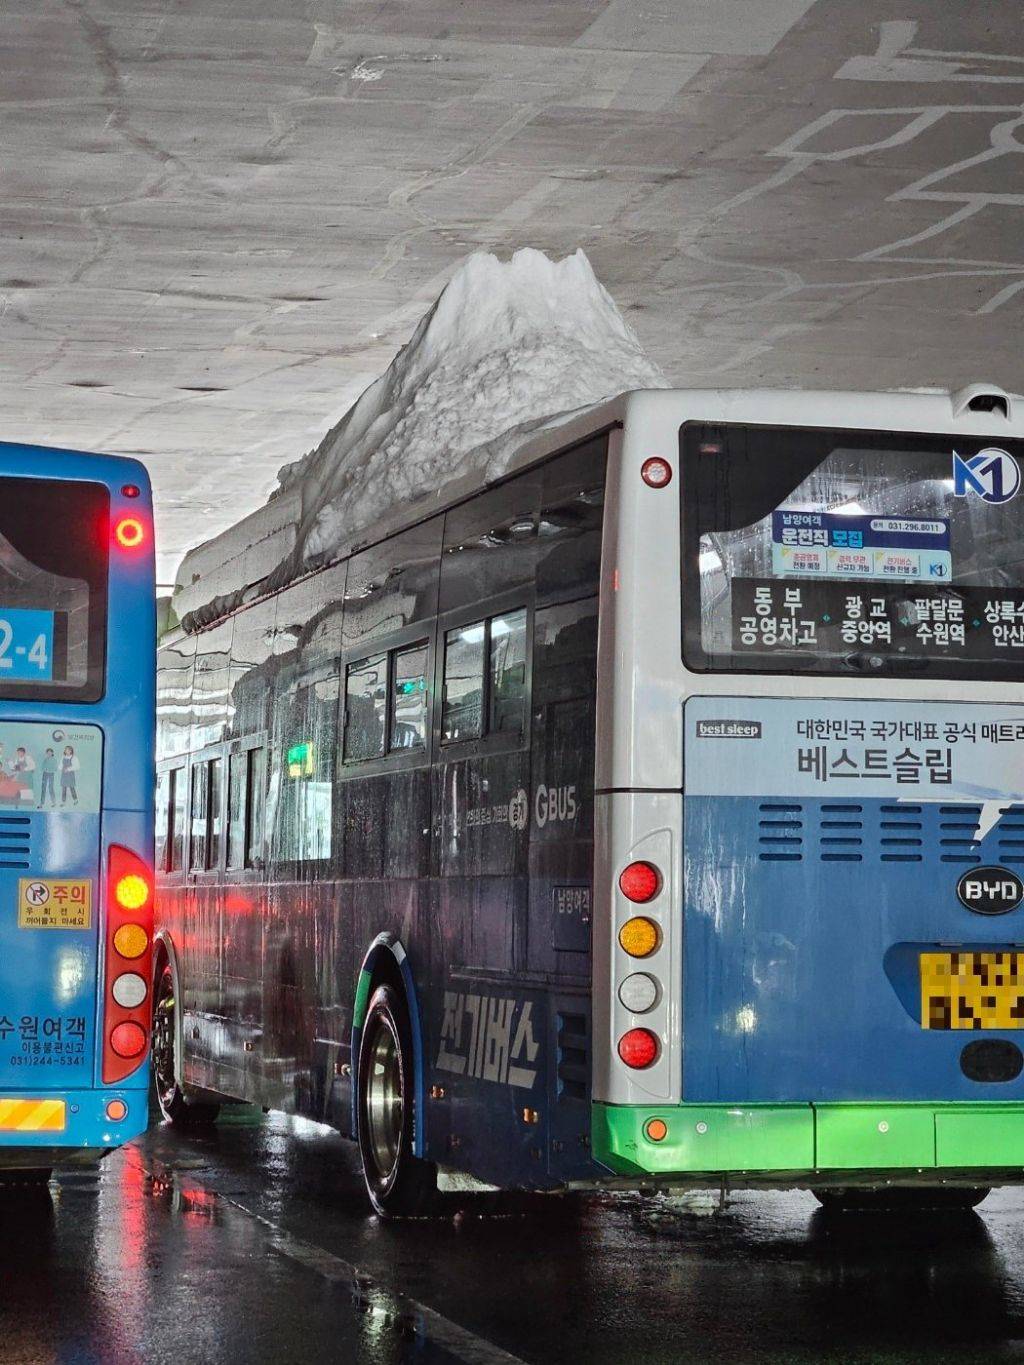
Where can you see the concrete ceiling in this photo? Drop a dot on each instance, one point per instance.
(220, 218)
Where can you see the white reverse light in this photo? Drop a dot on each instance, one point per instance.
(129, 990)
(639, 993)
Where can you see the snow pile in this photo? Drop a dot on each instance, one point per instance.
(507, 349)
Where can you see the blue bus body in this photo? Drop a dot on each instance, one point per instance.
(61, 812)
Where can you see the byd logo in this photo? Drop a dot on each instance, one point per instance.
(991, 474)
(990, 890)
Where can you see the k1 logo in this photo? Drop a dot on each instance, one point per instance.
(992, 475)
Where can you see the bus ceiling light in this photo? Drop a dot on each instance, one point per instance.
(639, 993)
(640, 882)
(128, 1039)
(129, 532)
(656, 472)
(639, 936)
(638, 1048)
(130, 490)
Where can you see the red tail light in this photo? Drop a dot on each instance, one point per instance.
(640, 882)
(638, 1048)
(129, 946)
(130, 532)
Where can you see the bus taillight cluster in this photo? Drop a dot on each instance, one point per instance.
(129, 963)
(639, 937)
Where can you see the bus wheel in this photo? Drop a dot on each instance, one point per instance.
(398, 1183)
(904, 1199)
(171, 1100)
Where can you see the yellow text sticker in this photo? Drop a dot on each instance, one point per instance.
(54, 902)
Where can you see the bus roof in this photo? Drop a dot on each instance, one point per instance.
(260, 553)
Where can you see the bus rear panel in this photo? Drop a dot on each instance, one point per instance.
(76, 740)
(838, 943)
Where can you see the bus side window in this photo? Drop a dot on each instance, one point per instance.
(176, 802)
(408, 719)
(214, 826)
(365, 702)
(485, 659)
(462, 707)
(255, 778)
(161, 825)
(238, 774)
(508, 672)
(200, 809)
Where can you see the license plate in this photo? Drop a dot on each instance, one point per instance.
(972, 990)
(31, 1116)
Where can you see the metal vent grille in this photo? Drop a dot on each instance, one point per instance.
(841, 833)
(572, 1056)
(957, 828)
(15, 840)
(1011, 835)
(780, 832)
(901, 833)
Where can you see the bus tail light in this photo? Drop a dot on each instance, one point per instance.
(656, 472)
(129, 944)
(638, 1048)
(130, 532)
(639, 936)
(640, 882)
(638, 993)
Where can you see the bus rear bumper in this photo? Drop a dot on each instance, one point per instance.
(811, 1144)
(73, 1122)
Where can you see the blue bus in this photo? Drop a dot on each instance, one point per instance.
(77, 679)
(653, 815)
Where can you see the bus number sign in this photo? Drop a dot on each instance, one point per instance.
(26, 645)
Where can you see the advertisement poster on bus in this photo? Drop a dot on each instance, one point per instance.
(50, 768)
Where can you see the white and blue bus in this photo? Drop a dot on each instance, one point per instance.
(652, 815)
(77, 678)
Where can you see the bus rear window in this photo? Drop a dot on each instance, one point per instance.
(850, 552)
(53, 589)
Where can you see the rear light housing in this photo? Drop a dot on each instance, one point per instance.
(129, 964)
(638, 1048)
(640, 882)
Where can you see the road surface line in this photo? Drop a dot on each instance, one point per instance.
(426, 1322)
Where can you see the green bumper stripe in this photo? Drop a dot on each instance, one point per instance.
(803, 1137)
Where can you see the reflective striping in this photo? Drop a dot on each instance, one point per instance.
(32, 1116)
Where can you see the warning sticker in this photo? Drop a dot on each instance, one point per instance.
(54, 903)
(835, 545)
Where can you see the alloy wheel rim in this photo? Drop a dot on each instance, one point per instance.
(385, 1100)
(163, 1049)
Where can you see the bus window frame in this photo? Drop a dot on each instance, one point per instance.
(491, 741)
(209, 872)
(253, 866)
(691, 646)
(176, 770)
(392, 760)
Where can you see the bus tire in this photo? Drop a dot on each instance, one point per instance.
(399, 1184)
(902, 1199)
(174, 1106)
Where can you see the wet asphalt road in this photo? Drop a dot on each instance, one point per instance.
(253, 1243)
